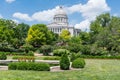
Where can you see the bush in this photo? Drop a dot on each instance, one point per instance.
(74, 47)
(64, 62)
(46, 49)
(59, 52)
(30, 53)
(29, 66)
(78, 63)
(24, 58)
(52, 58)
(72, 57)
(3, 56)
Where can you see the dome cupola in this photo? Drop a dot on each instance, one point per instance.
(60, 16)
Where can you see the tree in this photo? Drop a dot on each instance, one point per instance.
(85, 37)
(6, 33)
(97, 26)
(65, 35)
(38, 35)
(21, 31)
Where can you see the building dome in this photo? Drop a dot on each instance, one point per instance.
(60, 16)
(60, 11)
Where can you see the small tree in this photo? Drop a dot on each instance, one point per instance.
(64, 62)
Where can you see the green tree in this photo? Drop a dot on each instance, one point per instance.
(65, 35)
(21, 31)
(39, 35)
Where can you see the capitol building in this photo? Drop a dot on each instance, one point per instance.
(60, 22)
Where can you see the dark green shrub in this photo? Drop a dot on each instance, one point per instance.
(46, 49)
(22, 66)
(59, 52)
(29, 66)
(52, 58)
(64, 62)
(12, 66)
(74, 47)
(78, 63)
(3, 56)
(41, 67)
(30, 53)
(86, 49)
(72, 57)
(27, 48)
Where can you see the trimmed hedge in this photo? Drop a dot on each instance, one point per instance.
(97, 57)
(78, 63)
(52, 58)
(3, 56)
(59, 52)
(24, 58)
(29, 66)
(19, 53)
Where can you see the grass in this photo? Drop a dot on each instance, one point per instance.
(95, 69)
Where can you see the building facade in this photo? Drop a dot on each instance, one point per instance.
(60, 22)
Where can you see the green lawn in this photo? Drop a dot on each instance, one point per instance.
(94, 70)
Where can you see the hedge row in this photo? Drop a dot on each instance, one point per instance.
(29, 66)
(19, 53)
(24, 58)
(52, 58)
(99, 57)
(74, 56)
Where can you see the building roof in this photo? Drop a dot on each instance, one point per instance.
(60, 11)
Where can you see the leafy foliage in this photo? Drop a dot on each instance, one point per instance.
(3, 56)
(64, 62)
(78, 63)
(39, 35)
(60, 52)
(65, 35)
(29, 66)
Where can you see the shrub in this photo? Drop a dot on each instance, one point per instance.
(29, 66)
(24, 58)
(46, 49)
(59, 52)
(3, 56)
(78, 63)
(74, 47)
(12, 66)
(86, 50)
(72, 57)
(52, 58)
(30, 53)
(64, 62)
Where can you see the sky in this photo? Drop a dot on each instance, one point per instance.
(80, 12)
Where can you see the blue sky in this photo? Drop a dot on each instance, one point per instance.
(80, 12)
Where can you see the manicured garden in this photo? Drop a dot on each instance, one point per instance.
(95, 69)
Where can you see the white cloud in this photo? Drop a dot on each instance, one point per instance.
(84, 25)
(9, 1)
(44, 16)
(22, 16)
(89, 11)
(1, 16)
